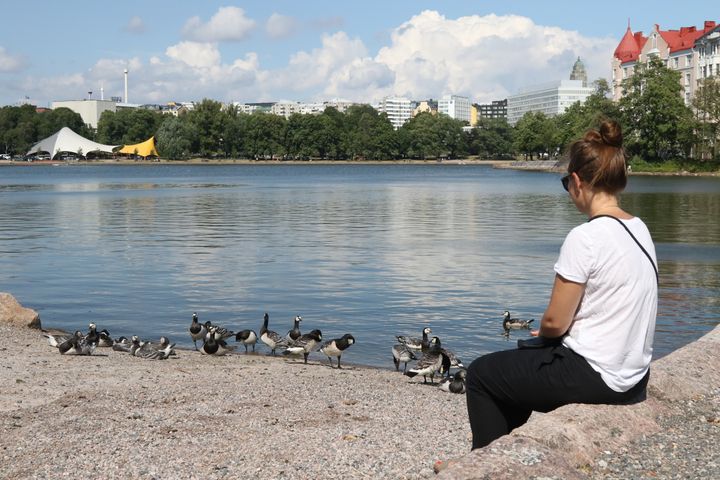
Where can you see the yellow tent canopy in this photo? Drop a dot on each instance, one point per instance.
(144, 149)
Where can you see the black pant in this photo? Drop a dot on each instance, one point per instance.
(503, 388)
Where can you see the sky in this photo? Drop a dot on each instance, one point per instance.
(361, 51)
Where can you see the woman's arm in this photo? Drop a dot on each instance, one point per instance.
(560, 312)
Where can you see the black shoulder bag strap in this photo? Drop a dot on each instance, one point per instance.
(657, 277)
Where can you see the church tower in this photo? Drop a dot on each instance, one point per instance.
(579, 73)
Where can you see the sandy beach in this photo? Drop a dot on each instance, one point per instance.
(111, 415)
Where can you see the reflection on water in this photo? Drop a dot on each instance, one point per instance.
(371, 250)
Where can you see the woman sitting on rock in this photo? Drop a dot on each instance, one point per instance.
(598, 327)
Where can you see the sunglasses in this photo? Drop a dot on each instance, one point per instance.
(565, 181)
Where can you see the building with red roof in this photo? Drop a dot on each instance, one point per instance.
(676, 47)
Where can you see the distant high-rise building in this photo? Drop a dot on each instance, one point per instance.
(495, 109)
(551, 99)
(250, 108)
(455, 106)
(398, 110)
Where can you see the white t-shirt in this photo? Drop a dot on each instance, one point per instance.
(614, 326)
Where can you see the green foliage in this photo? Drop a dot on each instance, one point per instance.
(433, 136)
(638, 165)
(175, 138)
(657, 123)
(536, 134)
(265, 136)
(127, 126)
(492, 138)
(369, 135)
(707, 105)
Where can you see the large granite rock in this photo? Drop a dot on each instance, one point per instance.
(567, 442)
(11, 312)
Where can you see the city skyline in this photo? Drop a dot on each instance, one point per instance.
(283, 51)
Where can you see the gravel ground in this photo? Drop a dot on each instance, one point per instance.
(241, 416)
(687, 447)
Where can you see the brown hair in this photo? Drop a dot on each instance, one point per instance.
(599, 158)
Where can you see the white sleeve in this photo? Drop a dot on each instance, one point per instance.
(576, 260)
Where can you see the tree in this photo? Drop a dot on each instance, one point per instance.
(369, 134)
(334, 128)
(265, 135)
(175, 138)
(707, 106)
(208, 121)
(491, 138)
(536, 134)
(127, 126)
(432, 136)
(301, 136)
(658, 124)
(18, 128)
(233, 136)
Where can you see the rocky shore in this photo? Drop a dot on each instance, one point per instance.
(111, 415)
(672, 434)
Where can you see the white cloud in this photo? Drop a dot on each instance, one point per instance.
(195, 54)
(362, 80)
(9, 63)
(280, 26)
(135, 25)
(485, 57)
(310, 71)
(228, 24)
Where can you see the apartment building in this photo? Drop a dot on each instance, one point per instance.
(679, 49)
(455, 106)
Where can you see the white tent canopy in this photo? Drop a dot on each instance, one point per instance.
(65, 140)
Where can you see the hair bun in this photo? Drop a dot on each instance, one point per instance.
(611, 133)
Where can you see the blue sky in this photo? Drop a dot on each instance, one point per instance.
(311, 51)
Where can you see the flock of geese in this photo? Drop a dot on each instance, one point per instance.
(430, 356)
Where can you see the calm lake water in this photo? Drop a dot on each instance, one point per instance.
(375, 251)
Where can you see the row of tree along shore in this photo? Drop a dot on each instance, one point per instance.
(661, 132)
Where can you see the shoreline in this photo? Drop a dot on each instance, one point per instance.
(532, 165)
(110, 415)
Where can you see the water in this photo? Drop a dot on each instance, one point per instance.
(371, 250)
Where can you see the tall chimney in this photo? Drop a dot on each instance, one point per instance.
(126, 88)
(102, 92)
